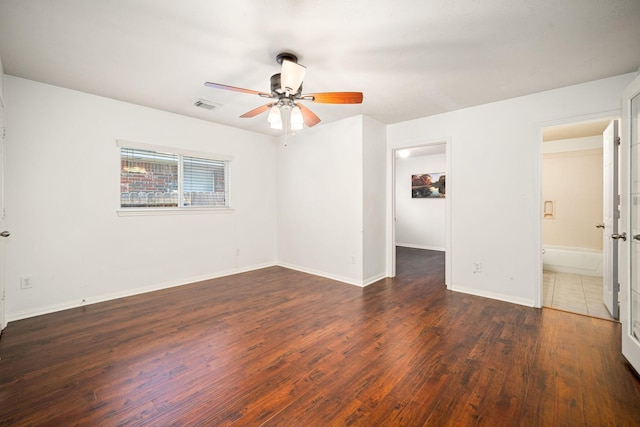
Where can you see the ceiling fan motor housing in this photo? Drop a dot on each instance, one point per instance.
(276, 87)
(288, 56)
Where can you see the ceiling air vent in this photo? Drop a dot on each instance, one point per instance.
(207, 105)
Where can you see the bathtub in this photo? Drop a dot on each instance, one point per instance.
(564, 259)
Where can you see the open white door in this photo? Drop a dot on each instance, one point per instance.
(610, 215)
(629, 262)
(3, 233)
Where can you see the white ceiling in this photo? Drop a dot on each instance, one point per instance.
(410, 58)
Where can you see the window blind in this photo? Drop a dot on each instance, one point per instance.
(154, 179)
(204, 182)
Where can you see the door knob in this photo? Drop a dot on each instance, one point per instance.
(600, 226)
(617, 236)
(5, 234)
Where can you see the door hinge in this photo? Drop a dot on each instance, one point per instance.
(617, 142)
(616, 287)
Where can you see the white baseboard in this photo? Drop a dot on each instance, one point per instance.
(343, 279)
(500, 297)
(429, 248)
(374, 279)
(38, 311)
(127, 293)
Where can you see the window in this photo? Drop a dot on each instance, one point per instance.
(161, 178)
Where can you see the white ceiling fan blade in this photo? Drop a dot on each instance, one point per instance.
(291, 76)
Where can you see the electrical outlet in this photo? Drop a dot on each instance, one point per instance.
(26, 283)
(477, 267)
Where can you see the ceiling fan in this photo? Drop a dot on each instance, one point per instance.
(286, 93)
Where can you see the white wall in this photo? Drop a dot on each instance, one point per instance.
(62, 186)
(495, 162)
(374, 199)
(331, 202)
(320, 206)
(420, 223)
(310, 197)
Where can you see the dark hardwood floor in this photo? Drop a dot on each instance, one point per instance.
(279, 347)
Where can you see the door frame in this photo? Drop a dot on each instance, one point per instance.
(611, 215)
(391, 203)
(540, 126)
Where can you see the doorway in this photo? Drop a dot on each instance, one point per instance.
(573, 189)
(420, 187)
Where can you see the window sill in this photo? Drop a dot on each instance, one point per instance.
(172, 211)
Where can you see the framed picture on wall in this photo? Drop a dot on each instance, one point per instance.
(428, 186)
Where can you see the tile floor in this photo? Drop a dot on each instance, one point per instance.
(575, 293)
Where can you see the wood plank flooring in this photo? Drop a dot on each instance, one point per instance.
(276, 347)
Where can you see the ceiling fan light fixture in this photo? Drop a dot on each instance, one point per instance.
(275, 118)
(286, 89)
(297, 121)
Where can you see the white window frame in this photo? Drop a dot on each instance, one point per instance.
(179, 210)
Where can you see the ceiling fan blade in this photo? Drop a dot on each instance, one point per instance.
(335, 97)
(257, 111)
(236, 89)
(291, 76)
(309, 117)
